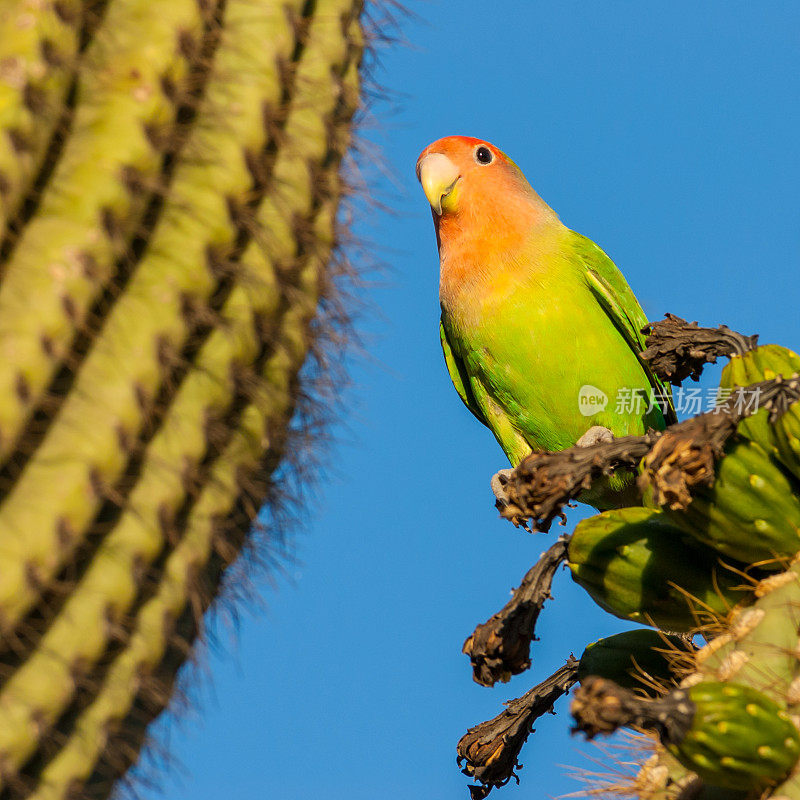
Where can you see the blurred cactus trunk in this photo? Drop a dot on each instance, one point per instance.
(169, 181)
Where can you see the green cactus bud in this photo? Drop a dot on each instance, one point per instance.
(731, 735)
(752, 511)
(638, 565)
(640, 659)
(763, 363)
(781, 439)
(738, 737)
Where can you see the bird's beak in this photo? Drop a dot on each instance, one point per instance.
(438, 176)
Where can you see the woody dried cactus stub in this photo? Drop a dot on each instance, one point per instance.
(169, 187)
(500, 647)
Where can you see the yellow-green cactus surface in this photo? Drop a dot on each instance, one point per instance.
(169, 184)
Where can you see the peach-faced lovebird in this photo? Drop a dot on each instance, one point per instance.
(541, 333)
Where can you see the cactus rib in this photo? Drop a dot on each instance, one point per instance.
(84, 234)
(136, 353)
(157, 619)
(41, 44)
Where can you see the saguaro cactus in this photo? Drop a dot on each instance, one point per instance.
(169, 181)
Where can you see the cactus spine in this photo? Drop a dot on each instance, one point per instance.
(151, 390)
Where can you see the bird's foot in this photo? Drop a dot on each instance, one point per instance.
(498, 484)
(595, 435)
(501, 502)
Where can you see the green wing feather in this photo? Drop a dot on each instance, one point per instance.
(480, 402)
(459, 376)
(620, 304)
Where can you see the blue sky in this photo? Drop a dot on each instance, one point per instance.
(665, 132)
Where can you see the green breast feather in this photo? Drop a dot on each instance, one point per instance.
(493, 369)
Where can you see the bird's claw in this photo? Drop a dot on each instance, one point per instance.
(595, 435)
(498, 484)
(501, 502)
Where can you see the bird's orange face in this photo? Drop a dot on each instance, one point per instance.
(460, 172)
(479, 197)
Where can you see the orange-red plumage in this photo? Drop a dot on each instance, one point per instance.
(497, 209)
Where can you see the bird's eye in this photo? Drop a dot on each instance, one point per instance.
(483, 155)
